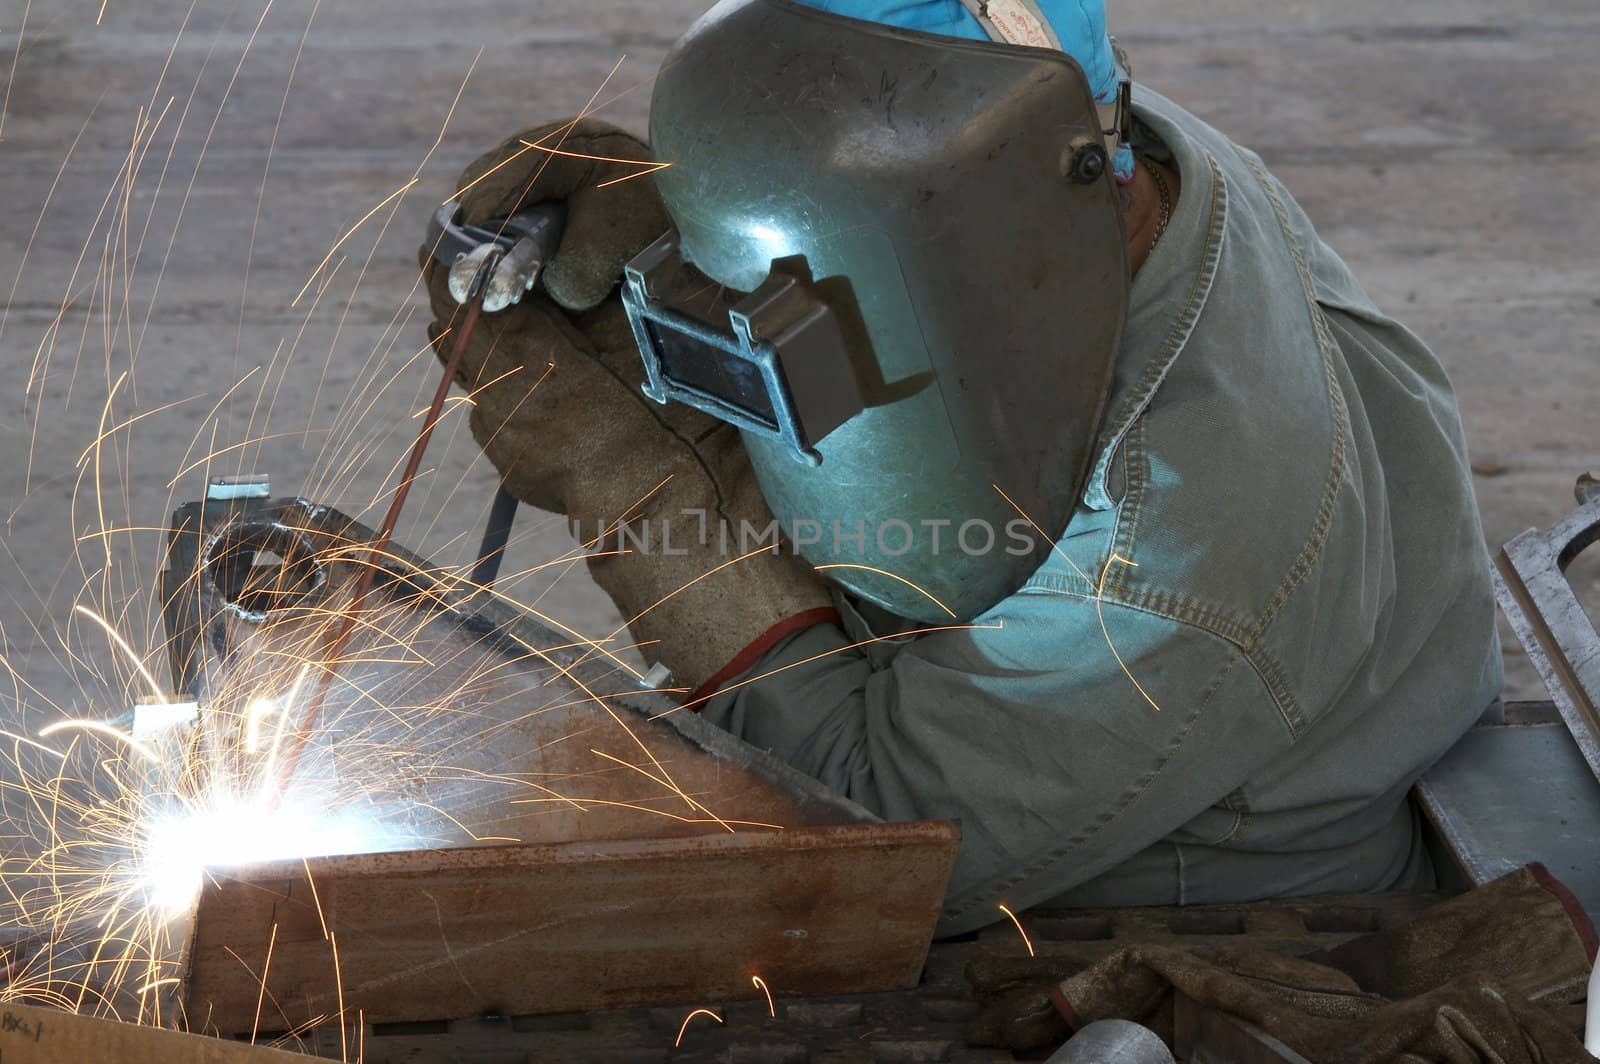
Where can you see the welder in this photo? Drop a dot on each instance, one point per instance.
(1095, 505)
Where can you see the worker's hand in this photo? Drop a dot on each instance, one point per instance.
(556, 402)
(557, 407)
(602, 175)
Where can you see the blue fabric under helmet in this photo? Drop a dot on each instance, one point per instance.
(1080, 25)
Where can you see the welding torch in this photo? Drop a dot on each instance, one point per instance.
(491, 266)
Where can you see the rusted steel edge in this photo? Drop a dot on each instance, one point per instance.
(935, 833)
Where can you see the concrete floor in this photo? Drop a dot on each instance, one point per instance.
(1447, 148)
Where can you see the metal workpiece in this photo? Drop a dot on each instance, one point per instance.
(1539, 602)
(1488, 817)
(934, 1021)
(1507, 795)
(536, 832)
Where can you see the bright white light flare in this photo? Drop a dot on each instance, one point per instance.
(178, 849)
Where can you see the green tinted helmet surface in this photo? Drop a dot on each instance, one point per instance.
(950, 202)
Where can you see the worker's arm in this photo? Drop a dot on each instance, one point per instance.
(1026, 728)
(557, 406)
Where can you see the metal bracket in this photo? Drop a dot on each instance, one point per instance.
(1531, 583)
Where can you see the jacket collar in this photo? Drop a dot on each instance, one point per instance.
(1170, 290)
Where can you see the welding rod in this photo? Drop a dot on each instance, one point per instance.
(334, 649)
(514, 252)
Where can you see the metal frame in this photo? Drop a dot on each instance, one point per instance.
(1530, 582)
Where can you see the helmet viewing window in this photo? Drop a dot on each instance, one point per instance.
(772, 362)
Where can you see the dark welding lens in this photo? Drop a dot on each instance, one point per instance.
(772, 362)
(690, 363)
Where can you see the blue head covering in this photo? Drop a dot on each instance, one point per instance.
(1080, 25)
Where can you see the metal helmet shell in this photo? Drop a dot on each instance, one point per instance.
(948, 204)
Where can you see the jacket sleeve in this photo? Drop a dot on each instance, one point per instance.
(1065, 734)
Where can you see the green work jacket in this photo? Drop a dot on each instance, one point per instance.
(1269, 614)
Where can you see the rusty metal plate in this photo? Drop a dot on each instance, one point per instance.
(539, 929)
(642, 856)
(932, 1021)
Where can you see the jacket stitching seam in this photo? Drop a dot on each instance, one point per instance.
(1183, 324)
(1244, 633)
(1134, 471)
(1233, 829)
(1175, 608)
(1311, 552)
(1214, 623)
(1134, 403)
(1270, 671)
(1239, 802)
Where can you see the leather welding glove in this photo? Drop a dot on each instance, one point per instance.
(557, 407)
(569, 161)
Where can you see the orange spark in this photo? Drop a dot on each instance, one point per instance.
(1099, 591)
(390, 198)
(644, 809)
(5, 101)
(272, 941)
(101, 728)
(338, 983)
(316, 899)
(892, 576)
(1099, 597)
(646, 166)
(692, 1015)
(126, 648)
(1026, 941)
(761, 984)
(670, 786)
(629, 177)
(826, 654)
(540, 146)
(564, 130)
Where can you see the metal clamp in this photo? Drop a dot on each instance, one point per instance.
(523, 244)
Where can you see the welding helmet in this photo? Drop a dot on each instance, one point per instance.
(898, 265)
